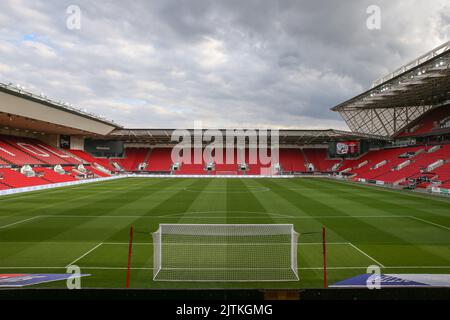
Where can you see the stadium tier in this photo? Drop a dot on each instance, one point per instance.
(160, 160)
(432, 123)
(318, 157)
(292, 160)
(90, 159)
(398, 164)
(12, 155)
(21, 151)
(26, 162)
(133, 158)
(52, 176)
(14, 179)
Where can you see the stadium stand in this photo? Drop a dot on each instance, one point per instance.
(432, 122)
(12, 155)
(3, 186)
(397, 164)
(255, 168)
(443, 174)
(92, 160)
(43, 152)
(192, 167)
(96, 171)
(418, 164)
(15, 179)
(159, 160)
(133, 158)
(52, 176)
(21, 151)
(228, 168)
(319, 158)
(292, 160)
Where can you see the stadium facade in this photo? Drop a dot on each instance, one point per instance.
(400, 136)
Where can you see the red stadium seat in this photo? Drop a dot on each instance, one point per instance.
(92, 160)
(17, 180)
(292, 160)
(133, 158)
(319, 158)
(160, 160)
(429, 123)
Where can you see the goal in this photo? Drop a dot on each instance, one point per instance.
(225, 252)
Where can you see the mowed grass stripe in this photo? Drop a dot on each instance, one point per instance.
(206, 199)
(246, 201)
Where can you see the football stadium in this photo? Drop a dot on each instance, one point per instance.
(88, 201)
(73, 185)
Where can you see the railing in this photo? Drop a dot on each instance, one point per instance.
(418, 61)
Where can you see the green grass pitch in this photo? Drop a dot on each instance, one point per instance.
(88, 225)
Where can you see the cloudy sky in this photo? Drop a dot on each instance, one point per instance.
(231, 63)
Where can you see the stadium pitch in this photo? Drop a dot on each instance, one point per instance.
(88, 226)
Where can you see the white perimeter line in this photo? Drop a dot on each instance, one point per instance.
(380, 264)
(226, 244)
(84, 255)
(429, 222)
(18, 222)
(220, 217)
(305, 268)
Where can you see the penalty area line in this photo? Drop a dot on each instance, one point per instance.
(368, 256)
(430, 223)
(19, 222)
(84, 255)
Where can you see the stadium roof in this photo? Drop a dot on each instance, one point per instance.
(25, 110)
(291, 137)
(43, 99)
(397, 99)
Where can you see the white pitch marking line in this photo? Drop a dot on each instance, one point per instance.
(429, 222)
(226, 244)
(189, 214)
(221, 217)
(84, 255)
(301, 268)
(151, 244)
(18, 222)
(377, 262)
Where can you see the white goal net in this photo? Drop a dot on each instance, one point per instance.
(225, 252)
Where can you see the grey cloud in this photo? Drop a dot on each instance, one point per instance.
(251, 63)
